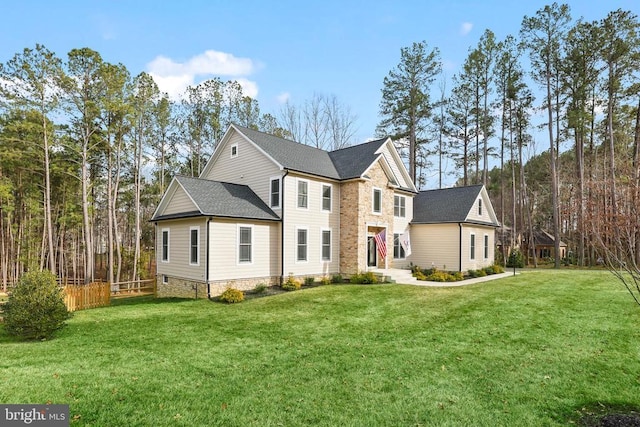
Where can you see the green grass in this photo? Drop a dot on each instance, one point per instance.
(532, 350)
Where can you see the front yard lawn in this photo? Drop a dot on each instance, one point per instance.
(540, 348)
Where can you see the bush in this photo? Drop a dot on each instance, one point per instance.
(35, 309)
(444, 276)
(497, 269)
(419, 275)
(308, 281)
(364, 278)
(291, 284)
(231, 295)
(325, 280)
(336, 278)
(516, 259)
(489, 270)
(260, 288)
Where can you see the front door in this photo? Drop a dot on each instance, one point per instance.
(372, 252)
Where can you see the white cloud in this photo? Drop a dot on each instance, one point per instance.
(465, 28)
(173, 77)
(283, 98)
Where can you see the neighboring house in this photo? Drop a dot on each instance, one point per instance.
(453, 229)
(265, 208)
(544, 245)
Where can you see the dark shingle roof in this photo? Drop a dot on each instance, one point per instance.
(224, 199)
(352, 162)
(293, 155)
(444, 205)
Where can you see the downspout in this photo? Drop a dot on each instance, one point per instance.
(282, 226)
(460, 244)
(206, 260)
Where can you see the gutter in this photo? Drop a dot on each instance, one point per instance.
(460, 245)
(206, 261)
(282, 226)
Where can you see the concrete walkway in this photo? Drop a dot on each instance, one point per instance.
(404, 277)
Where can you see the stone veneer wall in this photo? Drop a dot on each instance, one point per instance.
(356, 212)
(185, 288)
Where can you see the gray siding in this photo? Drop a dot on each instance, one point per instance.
(250, 167)
(179, 239)
(314, 219)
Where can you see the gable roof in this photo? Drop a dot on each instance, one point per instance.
(221, 199)
(446, 205)
(346, 163)
(292, 155)
(352, 162)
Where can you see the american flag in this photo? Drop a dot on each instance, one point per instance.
(381, 242)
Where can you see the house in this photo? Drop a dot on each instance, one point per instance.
(265, 208)
(544, 244)
(453, 229)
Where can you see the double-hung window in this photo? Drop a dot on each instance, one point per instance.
(302, 244)
(244, 245)
(486, 246)
(326, 245)
(274, 192)
(377, 201)
(326, 197)
(399, 206)
(194, 245)
(303, 194)
(472, 246)
(165, 245)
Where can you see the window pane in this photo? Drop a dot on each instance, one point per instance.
(275, 193)
(376, 200)
(165, 245)
(244, 250)
(194, 246)
(302, 194)
(473, 246)
(302, 245)
(326, 198)
(326, 245)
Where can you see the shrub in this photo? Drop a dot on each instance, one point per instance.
(308, 281)
(364, 278)
(419, 275)
(260, 288)
(489, 270)
(497, 269)
(231, 295)
(35, 309)
(291, 284)
(444, 276)
(336, 278)
(516, 259)
(325, 280)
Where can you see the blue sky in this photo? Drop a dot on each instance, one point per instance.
(279, 50)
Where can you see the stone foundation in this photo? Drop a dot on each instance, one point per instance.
(185, 288)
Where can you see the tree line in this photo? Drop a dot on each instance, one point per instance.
(87, 149)
(581, 80)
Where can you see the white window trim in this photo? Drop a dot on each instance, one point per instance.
(306, 261)
(401, 205)
(231, 151)
(373, 201)
(322, 230)
(238, 262)
(485, 246)
(298, 180)
(276, 178)
(475, 245)
(165, 279)
(322, 198)
(168, 230)
(197, 228)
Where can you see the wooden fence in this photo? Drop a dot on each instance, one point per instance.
(133, 288)
(93, 295)
(99, 294)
